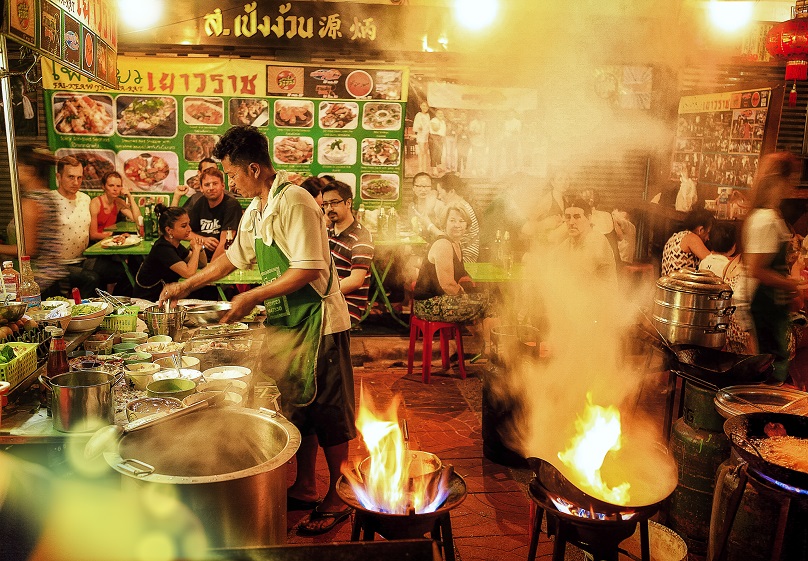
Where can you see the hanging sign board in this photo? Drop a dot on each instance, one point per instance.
(719, 138)
(168, 113)
(80, 35)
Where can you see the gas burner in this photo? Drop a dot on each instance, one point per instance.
(407, 526)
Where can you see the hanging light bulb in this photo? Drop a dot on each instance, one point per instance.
(475, 14)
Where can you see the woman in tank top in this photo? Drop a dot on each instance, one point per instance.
(686, 248)
(104, 209)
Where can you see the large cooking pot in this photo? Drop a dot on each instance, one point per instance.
(162, 322)
(692, 307)
(82, 400)
(227, 465)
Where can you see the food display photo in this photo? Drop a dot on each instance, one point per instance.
(293, 149)
(336, 151)
(249, 111)
(149, 171)
(203, 111)
(85, 114)
(296, 113)
(146, 116)
(380, 186)
(381, 152)
(96, 163)
(195, 147)
(338, 115)
(381, 116)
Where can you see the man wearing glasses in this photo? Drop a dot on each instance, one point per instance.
(284, 231)
(351, 247)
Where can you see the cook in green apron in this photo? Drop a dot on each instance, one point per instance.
(769, 310)
(299, 316)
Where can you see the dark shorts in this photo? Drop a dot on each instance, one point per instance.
(332, 415)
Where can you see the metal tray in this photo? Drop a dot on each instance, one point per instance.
(740, 400)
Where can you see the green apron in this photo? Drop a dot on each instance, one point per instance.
(298, 317)
(769, 309)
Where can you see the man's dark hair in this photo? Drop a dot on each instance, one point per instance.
(215, 172)
(422, 174)
(578, 202)
(343, 189)
(206, 161)
(696, 218)
(243, 145)
(67, 161)
(452, 182)
(722, 237)
(314, 185)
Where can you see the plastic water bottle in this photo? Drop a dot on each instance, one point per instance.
(360, 214)
(28, 290)
(11, 280)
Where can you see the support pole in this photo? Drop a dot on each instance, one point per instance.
(11, 144)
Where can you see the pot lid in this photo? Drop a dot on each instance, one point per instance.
(740, 400)
(688, 280)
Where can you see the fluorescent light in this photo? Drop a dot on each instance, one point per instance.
(475, 14)
(730, 15)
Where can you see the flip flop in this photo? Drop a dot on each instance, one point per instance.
(299, 504)
(312, 527)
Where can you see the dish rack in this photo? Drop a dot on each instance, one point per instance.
(22, 366)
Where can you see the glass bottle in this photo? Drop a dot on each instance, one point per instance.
(507, 253)
(360, 214)
(381, 225)
(228, 239)
(28, 289)
(147, 223)
(57, 359)
(11, 280)
(392, 224)
(496, 250)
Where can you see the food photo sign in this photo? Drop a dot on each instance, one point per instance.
(168, 113)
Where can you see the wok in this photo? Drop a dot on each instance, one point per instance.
(742, 428)
(557, 482)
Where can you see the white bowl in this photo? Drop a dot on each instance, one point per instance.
(84, 324)
(141, 374)
(160, 350)
(134, 337)
(236, 386)
(229, 373)
(187, 362)
(230, 398)
(160, 339)
(170, 373)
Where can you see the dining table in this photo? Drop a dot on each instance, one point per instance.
(124, 227)
(103, 248)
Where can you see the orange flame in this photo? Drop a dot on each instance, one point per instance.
(393, 479)
(597, 434)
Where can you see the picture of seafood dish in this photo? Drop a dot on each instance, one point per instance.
(96, 163)
(249, 111)
(294, 113)
(293, 149)
(338, 115)
(379, 186)
(388, 84)
(381, 116)
(146, 116)
(340, 151)
(381, 151)
(82, 114)
(203, 111)
(149, 171)
(199, 146)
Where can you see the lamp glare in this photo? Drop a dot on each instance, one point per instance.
(139, 14)
(475, 14)
(730, 15)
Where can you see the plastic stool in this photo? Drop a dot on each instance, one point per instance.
(428, 329)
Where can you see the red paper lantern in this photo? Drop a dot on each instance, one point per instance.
(789, 40)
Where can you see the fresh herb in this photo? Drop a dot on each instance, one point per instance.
(83, 310)
(336, 145)
(6, 354)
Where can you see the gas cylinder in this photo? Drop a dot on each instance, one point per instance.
(699, 446)
(755, 526)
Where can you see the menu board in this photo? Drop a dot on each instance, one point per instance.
(168, 114)
(719, 138)
(81, 35)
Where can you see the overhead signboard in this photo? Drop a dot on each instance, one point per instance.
(80, 35)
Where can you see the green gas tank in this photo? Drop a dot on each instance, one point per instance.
(699, 446)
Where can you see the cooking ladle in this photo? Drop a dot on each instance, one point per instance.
(106, 437)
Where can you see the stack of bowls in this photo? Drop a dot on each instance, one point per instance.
(178, 388)
(137, 337)
(187, 362)
(241, 373)
(141, 374)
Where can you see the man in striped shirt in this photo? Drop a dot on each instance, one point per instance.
(351, 247)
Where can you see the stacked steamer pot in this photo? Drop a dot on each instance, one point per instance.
(693, 308)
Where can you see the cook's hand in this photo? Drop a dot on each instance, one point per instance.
(241, 305)
(172, 292)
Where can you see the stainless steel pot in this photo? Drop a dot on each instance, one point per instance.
(82, 400)
(693, 308)
(162, 322)
(227, 465)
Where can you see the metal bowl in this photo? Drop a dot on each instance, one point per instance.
(203, 314)
(12, 312)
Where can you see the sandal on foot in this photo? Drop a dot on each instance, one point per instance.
(300, 504)
(321, 522)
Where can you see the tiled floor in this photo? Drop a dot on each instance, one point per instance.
(444, 418)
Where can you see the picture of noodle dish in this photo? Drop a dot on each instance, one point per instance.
(82, 114)
(147, 116)
(339, 151)
(379, 186)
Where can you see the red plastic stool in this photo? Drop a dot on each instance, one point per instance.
(428, 329)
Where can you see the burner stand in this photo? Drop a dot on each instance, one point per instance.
(599, 538)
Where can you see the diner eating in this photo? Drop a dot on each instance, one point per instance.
(227, 228)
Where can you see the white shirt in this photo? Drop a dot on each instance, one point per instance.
(420, 126)
(764, 231)
(297, 225)
(74, 225)
(715, 263)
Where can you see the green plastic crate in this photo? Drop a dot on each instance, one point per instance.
(17, 370)
(122, 322)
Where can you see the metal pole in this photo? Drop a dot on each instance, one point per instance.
(5, 85)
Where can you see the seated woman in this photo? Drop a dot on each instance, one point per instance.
(168, 261)
(686, 248)
(105, 208)
(438, 294)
